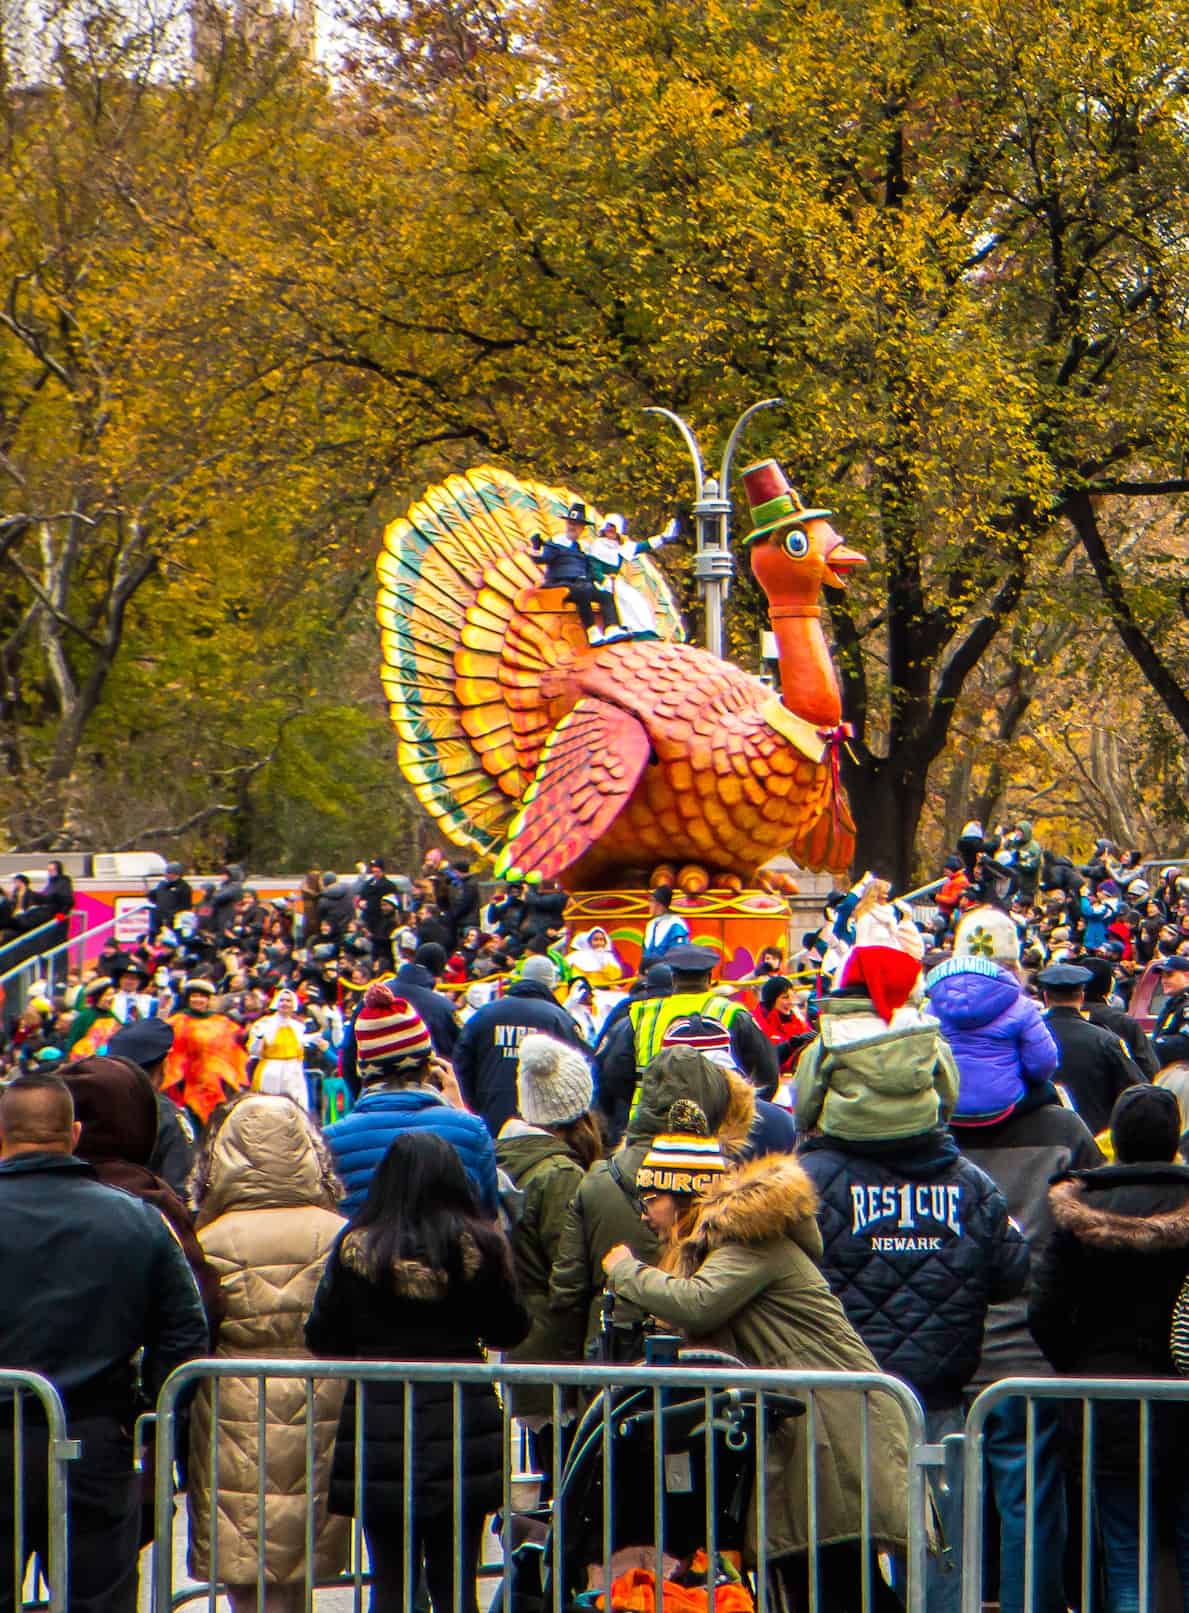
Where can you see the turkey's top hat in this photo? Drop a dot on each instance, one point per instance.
(773, 503)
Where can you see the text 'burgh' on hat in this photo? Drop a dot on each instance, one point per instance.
(681, 1163)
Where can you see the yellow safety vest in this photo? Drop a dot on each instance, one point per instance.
(651, 1019)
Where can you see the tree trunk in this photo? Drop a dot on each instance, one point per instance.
(887, 797)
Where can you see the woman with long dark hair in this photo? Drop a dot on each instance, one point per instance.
(419, 1275)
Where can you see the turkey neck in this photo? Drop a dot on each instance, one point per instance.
(808, 686)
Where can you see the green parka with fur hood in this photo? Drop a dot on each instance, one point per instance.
(605, 1212)
(547, 1175)
(747, 1280)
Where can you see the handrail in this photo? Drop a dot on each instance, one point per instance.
(23, 940)
(74, 941)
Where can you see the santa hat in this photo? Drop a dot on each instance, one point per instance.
(886, 957)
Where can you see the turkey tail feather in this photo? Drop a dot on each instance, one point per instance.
(462, 660)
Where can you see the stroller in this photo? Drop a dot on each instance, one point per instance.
(707, 1468)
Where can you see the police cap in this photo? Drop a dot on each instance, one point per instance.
(1064, 976)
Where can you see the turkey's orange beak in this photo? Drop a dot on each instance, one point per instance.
(838, 561)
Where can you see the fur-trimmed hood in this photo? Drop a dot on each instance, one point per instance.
(766, 1200)
(412, 1279)
(1089, 1206)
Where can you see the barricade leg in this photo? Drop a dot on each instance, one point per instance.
(24, 1517)
(1004, 1447)
(35, 1454)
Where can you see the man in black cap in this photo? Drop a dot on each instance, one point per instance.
(567, 565)
(418, 982)
(1094, 1067)
(169, 898)
(637, 1039)
(146, 1043)
(1100, 1011)
(1171, 1036)
(379, 915)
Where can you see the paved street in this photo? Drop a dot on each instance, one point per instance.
(337, 1601)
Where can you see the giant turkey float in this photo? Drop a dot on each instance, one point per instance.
(610, 766)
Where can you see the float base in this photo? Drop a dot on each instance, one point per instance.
(737, 924)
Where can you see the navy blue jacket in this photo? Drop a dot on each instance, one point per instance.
(88, 1277)
(415, 983)
(485, 1053)
(1171, 1035)
(917, 1243)
(360, 1142)
(564, 562)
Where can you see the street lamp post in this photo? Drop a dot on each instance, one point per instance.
(713, 563)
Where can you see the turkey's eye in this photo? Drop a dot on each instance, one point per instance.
(797, 545)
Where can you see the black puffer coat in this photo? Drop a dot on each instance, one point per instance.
(413, 1313)
(1102, 1297)
(917, 1244)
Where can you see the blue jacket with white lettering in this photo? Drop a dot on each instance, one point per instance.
(485, 1053)
(917, 1243)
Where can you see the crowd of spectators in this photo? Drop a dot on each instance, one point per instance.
(932, 1142)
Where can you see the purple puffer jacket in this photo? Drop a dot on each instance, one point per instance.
(999, 1041)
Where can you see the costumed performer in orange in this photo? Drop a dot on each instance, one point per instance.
(207, 1063)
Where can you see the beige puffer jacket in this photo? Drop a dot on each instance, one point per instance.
(265, 1193)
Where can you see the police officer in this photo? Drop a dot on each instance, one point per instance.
(637, 1039)
(1094, 1067)
(146, 1042)
(1171, 1036)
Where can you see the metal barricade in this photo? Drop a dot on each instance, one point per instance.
(1084, 1396)
(708, 1476)
(34, 1524)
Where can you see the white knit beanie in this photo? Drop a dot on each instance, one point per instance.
(987, 932)
(553, 1084)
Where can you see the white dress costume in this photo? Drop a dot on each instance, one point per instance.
(612, 553)
(278, 1041)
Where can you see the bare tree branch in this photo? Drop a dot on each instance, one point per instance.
(173, 830)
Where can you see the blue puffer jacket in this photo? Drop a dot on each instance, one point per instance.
(360, 1142)
(916, 1244)
(1000, 1043)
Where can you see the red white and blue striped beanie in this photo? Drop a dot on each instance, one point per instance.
(389, 1030)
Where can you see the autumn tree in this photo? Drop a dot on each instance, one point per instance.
(949, 237)
(179, 515)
